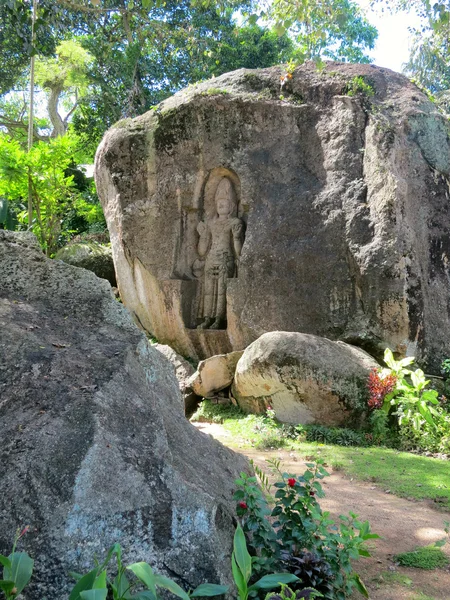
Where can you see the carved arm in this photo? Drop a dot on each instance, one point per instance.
(203, 242)
(237, 229)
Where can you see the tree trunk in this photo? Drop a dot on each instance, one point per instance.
(59, 127)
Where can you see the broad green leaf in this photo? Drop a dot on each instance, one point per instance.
(404, 362)
(146, 595)
(122, 586)
(83, 584)
(424, 411)
(241, 554)
(360, 585)
(268, 582)
(144, 573)
(170, 585)
(97, 594)
(241, 584)
(389, 358)
(4, 560)
(430, 396)
(6, 585)
(115, 549)
(418, 379)
(100, 582)
(371, 536)
(20, 571)
(209, 589)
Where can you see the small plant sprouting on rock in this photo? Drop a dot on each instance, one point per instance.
(360, 86)
(214, 91)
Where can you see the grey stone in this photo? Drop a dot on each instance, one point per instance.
(344, 202)
(92, 256)
(304, 379)
(95, 448)
(214, 374)
(183, 371)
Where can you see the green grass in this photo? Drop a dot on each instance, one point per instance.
(428, 557)
(393, 578)
(402, 473)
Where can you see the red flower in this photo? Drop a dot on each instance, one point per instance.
(311, 493)
(291, 482)
(379, 388)
(242, 504)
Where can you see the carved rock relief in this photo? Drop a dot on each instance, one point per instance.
(211, 250)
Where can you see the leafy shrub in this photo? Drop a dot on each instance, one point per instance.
(287, 594)
(310, 568)
(300, 526)
(215, 413)
(241, 564)
(428, 557)
(17, 570)
(335, 435)
(422, 422)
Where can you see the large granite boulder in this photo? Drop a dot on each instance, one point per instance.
(319, 204)
(92, 256)
(95, 447)
(304, 379)
(214, 374)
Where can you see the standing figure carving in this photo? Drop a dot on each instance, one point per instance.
(219, 246)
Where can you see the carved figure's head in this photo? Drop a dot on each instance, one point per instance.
(225, 198)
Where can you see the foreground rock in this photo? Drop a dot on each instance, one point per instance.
(95, 448)
(91, 256)
(337, 203)
(214, 374)
(304, 378)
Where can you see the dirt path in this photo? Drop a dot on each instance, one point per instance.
(402, 525)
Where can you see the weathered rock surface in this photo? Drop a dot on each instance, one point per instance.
(183, 371)
(95, 448)
(304, 378)
(334, 221)
(91, 256)
(214, 374)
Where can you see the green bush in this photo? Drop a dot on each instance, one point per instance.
(207, 412)
(296, 525)
(422, 422)
(335, 435)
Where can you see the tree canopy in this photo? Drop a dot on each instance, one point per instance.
(429, 62)
(141, 51)
(97, 61)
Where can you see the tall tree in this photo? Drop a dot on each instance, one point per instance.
(66, 74)
(335, 29)
(429, 61)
